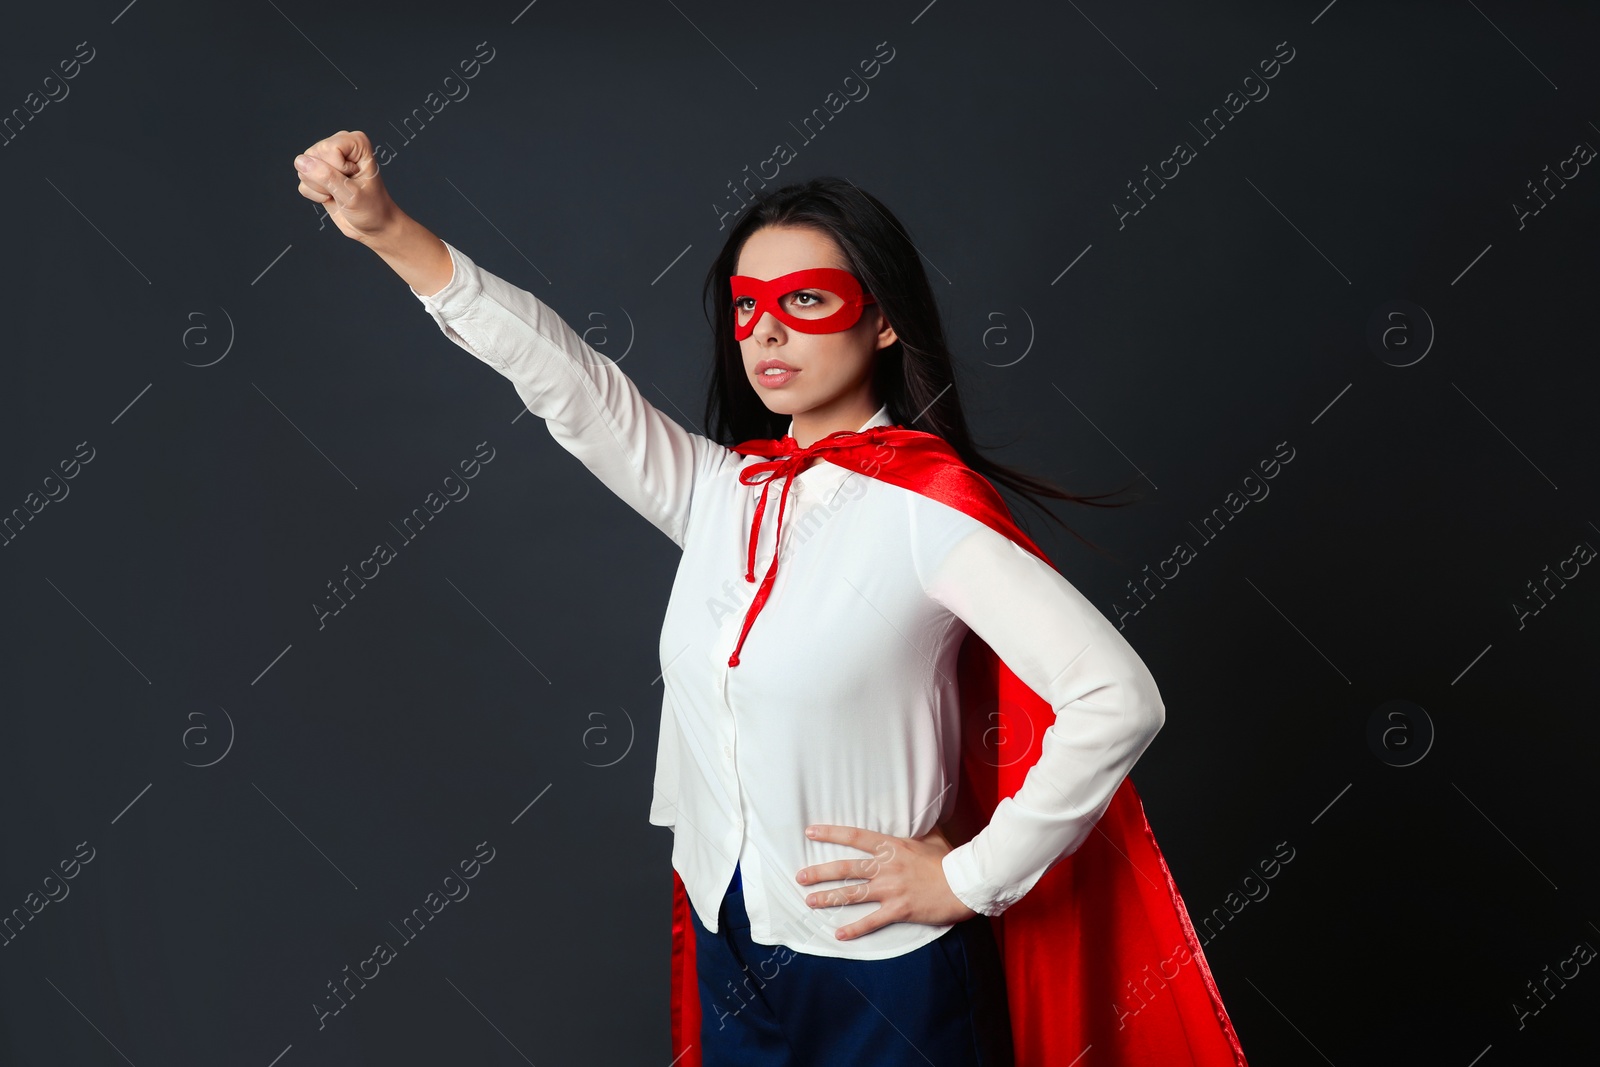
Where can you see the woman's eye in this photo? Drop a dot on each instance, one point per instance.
(740, 305)
(808, 296)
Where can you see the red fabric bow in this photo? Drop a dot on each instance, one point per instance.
(1103, 967)
(787, 460)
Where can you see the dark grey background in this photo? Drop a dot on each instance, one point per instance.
(162, 610)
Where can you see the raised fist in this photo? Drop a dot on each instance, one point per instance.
(341, 173)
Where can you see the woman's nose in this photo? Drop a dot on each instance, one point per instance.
(768, 325)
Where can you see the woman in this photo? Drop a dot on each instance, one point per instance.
(811, 754)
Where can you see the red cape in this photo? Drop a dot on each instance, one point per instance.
(1103, 967)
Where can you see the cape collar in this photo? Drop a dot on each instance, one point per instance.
(824, 479)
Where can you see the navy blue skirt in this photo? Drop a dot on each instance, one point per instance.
(768, 1005)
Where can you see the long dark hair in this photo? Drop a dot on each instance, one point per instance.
(914, 375)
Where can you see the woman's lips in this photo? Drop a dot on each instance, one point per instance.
(774, 381)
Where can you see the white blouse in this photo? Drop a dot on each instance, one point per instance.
(844, 707)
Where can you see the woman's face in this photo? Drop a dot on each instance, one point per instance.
(832, 372)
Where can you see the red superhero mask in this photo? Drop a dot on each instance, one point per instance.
(814, 314)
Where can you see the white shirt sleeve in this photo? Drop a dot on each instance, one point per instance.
(1107, 707)
(589, 405)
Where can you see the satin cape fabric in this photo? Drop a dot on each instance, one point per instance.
(1103, 966)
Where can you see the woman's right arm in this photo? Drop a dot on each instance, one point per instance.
(589, 405)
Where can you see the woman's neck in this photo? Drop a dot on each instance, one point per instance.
(848, 413)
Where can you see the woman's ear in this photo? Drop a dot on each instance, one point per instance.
(886, 334)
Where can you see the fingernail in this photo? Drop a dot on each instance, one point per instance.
(302, 162)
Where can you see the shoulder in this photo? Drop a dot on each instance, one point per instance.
(939, 531)
(943, 492)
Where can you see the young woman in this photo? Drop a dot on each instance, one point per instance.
(811, 733)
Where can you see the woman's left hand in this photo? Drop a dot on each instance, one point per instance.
(905, 873)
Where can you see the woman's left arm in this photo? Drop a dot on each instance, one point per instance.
(1107, 706)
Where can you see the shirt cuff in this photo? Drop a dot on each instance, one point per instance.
(459, 293)
(961, 872)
